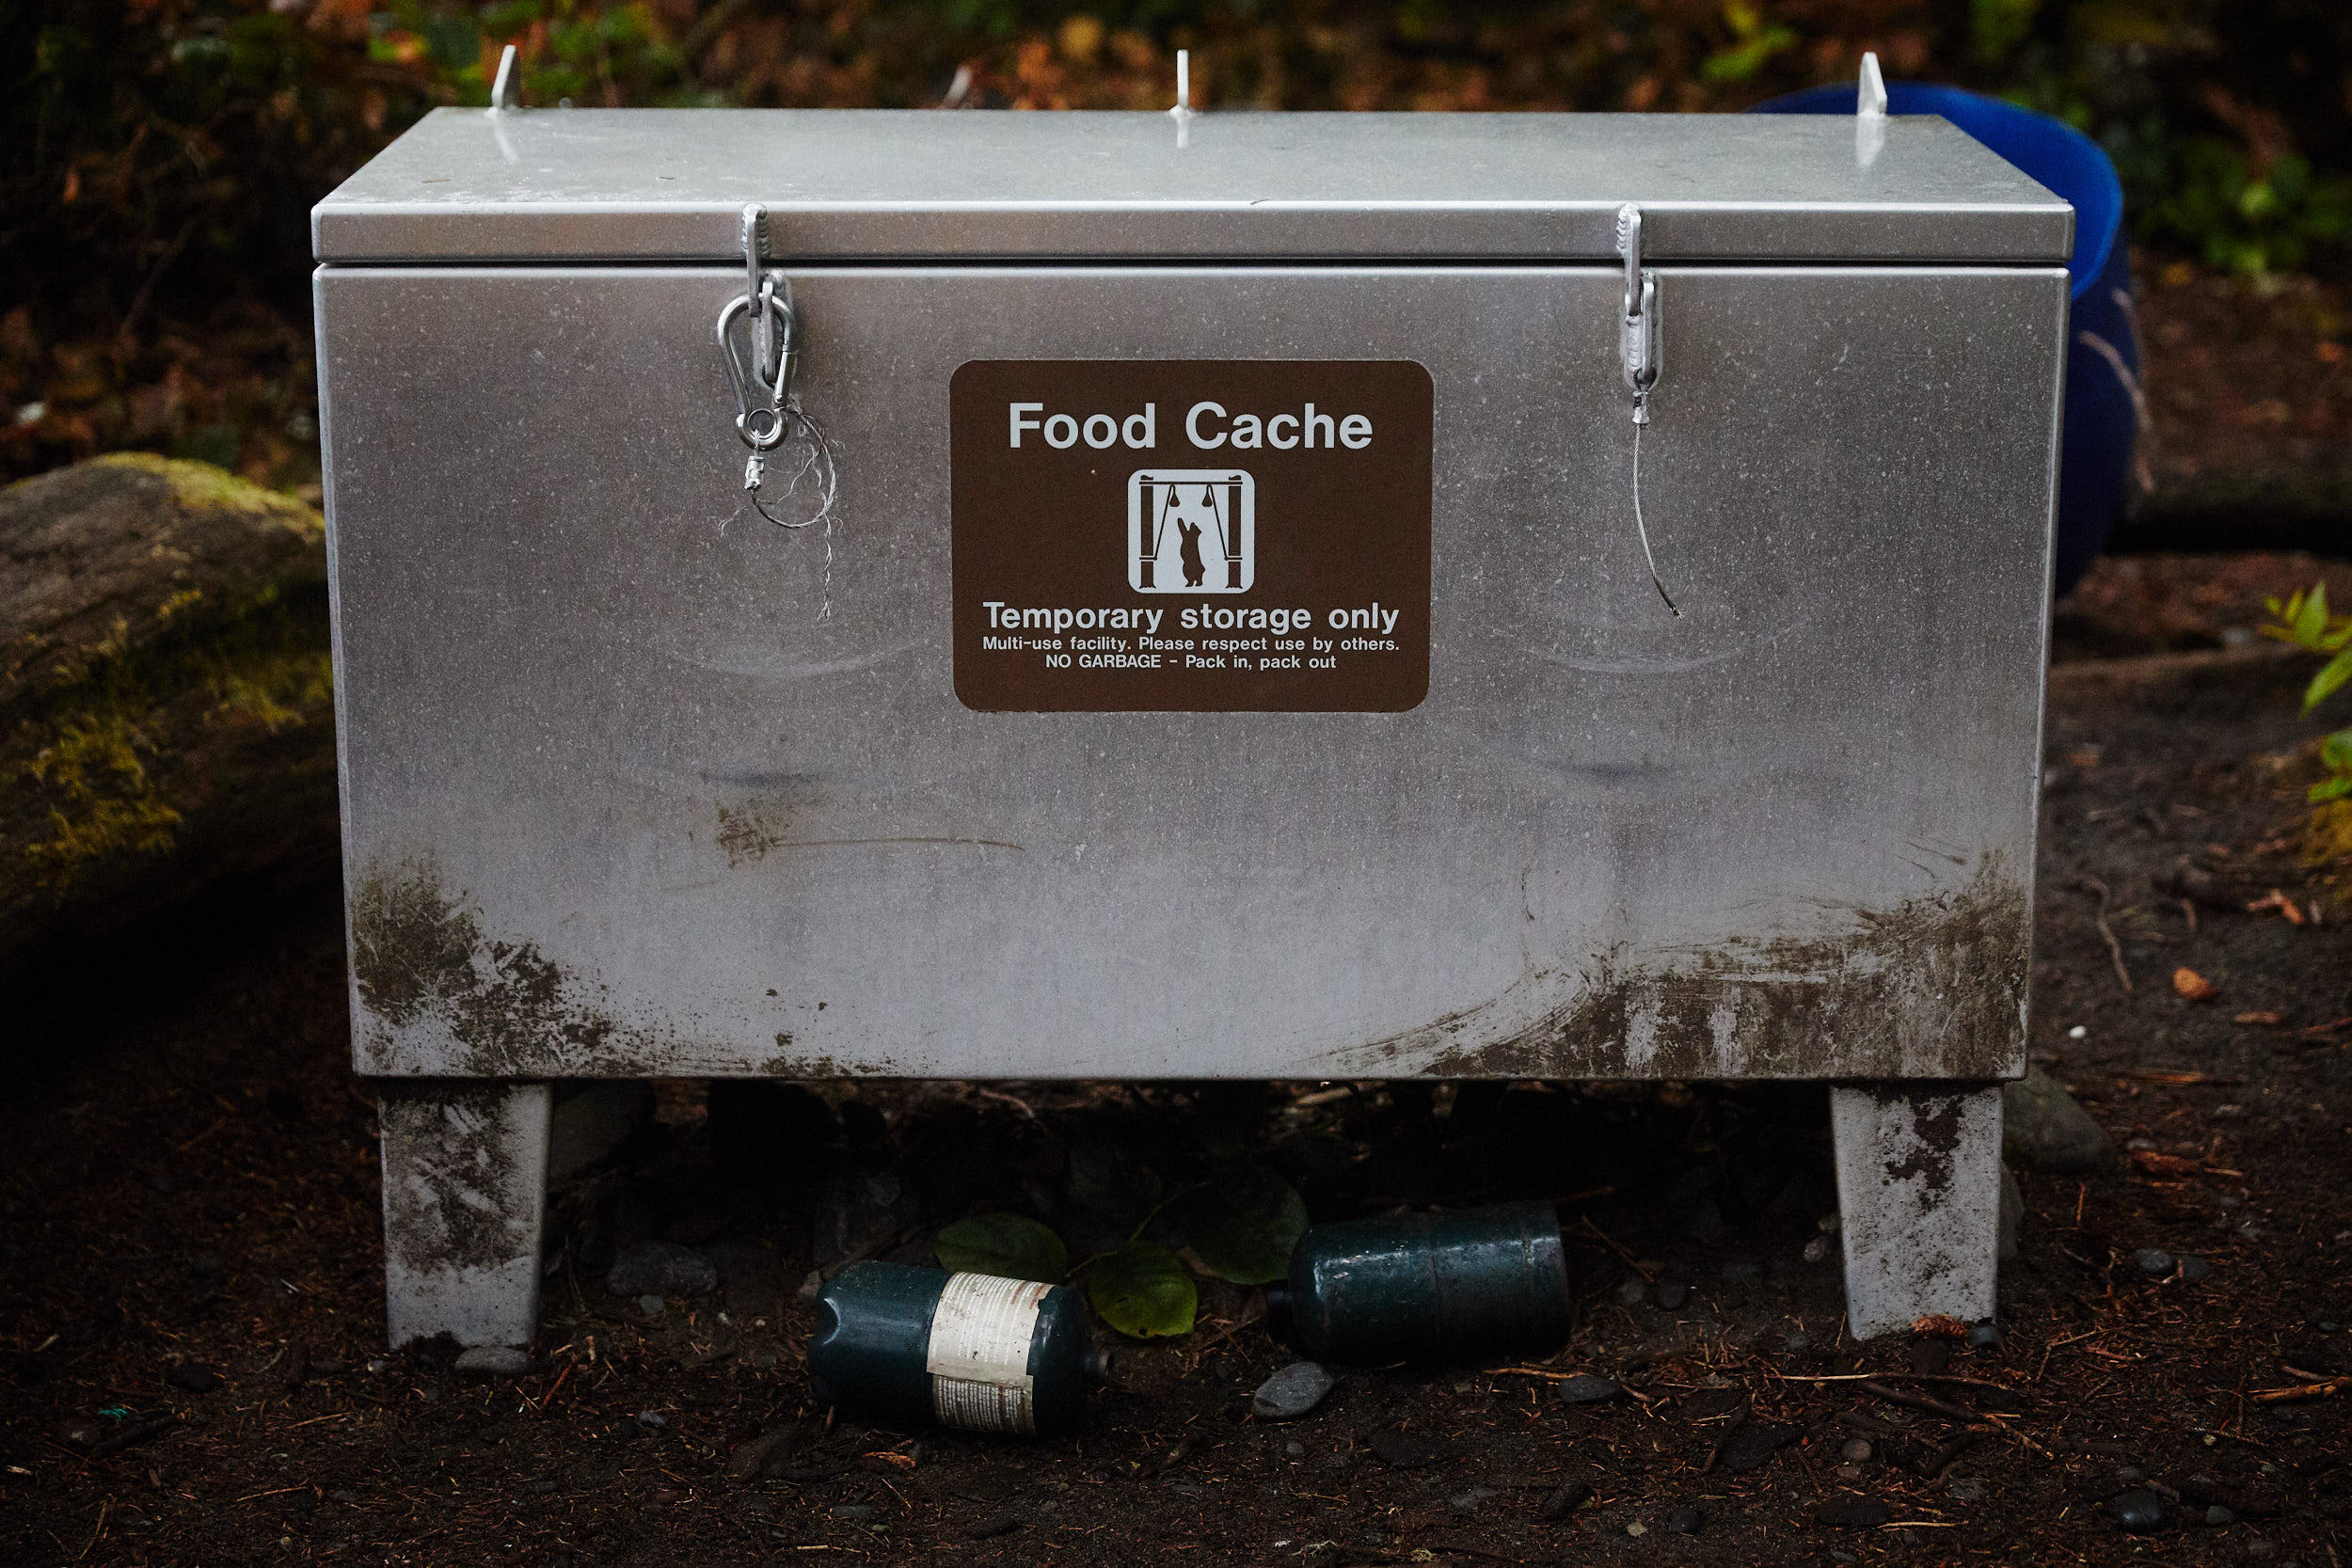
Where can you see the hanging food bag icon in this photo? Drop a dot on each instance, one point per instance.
(1191, 531)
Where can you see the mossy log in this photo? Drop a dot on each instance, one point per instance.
(166, 699)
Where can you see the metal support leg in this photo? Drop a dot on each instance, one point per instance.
(465, 1186)
(1920, 1189)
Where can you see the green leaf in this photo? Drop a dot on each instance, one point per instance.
(1244, 1224)
(1010, 1246)
(2329, 789)
(1112, 1182)
(1143, 1292)
(2311, 622)
(2332, 676)
(2335, 752)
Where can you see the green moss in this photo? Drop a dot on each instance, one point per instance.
(202, 488)
(101, 804)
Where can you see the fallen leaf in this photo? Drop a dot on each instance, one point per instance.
(1940, 1328)
(2260, 1018)
(2274, 899)
(2194, 986)
(2159, 1164)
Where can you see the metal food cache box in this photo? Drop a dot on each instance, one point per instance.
(1223, 641)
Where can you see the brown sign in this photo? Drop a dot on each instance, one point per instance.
(1191, 535)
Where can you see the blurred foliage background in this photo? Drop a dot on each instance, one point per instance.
(160, 157)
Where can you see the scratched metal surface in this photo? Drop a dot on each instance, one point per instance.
(665, 185)
(620, 799)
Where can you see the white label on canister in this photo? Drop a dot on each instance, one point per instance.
(979, 1356)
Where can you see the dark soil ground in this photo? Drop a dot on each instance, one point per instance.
(190, 1260)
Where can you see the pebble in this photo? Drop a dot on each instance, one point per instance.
(1466, 1502)
(1406, 1450)
(2195, 1271)
(753, 1506)
(2137, 1510)
(1752, 1445)
(1575, 1494)
(1817, 1250)
(495, 1360)
(1584, 1388)
(854, 1513)
(1850, 1472)
(1291, 1393)
(82, 1431)
(1984, 1336)
(651, 1306)
(1684, 1521)
(1965, 1489)
(1637, 1528)
(665, 1268)
(2217, 1515)
(2259, 1548)
(1674, 1297)
(2130, 1475)
(1852, 1511)
(1295, 1449)
(1633, 1291)
(2153, 1262)
(1857, 1449)
(2044, 1128)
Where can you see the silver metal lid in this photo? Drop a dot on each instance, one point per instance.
(667, 184)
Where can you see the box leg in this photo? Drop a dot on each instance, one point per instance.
(465, 1187)
(1920, 1190)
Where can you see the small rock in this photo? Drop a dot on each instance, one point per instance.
(1984, 1336)
(1467, 1502)
(753, 1506)
(1752, 1445)
(1295, 1449)
(2217, 1515)
(1633, 1290)
(1850, 1472)
(1684, 1521)
(2259, 1548)
(652, 1307)
(623, 1430)
(2153, 1262)
(1291, 1393)
(1406, 1450)
(1637, 1528)
(1857, 1449)
(1584, 1388)
(82, 1431)
(650, 1419)
(1674, 1297)
(1575, 1494)
(494, 1360)
(2139, 1510)
(2044, 1128)
(1818, 1249)
(1930, 1358)
(1853, 1513)
(342, 1495)
(1965, 1489)
(2130, 1475)
(195, 1377)
(853, 1513)
(751, 1457)
(664, 1268)
(2195, 1271)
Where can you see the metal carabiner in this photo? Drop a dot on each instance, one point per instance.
(761, 367)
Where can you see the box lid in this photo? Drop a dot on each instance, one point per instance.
(863, 185)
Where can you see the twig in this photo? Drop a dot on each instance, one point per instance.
(1610, 1242)
(1900, 1377)
(1920, 1402)
(2302, 1391)
(1013, 1101)
(2114, 948)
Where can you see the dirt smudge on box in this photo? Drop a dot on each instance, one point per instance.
(1932, 987)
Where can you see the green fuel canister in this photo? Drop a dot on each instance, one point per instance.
(1429, 1287)
(912, 1348)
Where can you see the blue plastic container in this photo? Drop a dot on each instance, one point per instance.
(2100, 422)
